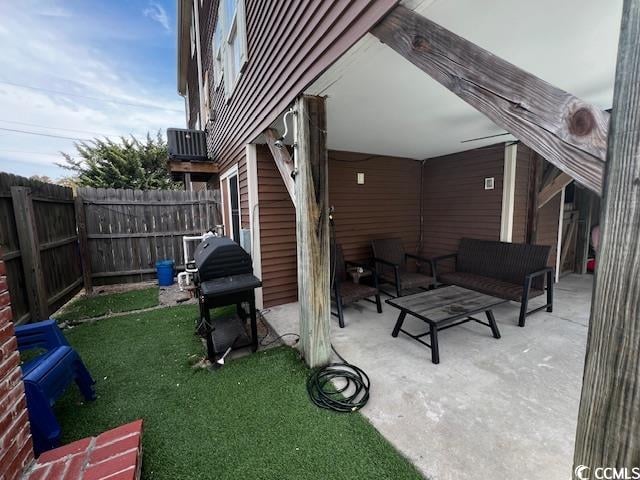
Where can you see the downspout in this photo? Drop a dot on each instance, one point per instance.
(196, 9)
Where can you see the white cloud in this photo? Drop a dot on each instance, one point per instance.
(57, 55)
(158, 14)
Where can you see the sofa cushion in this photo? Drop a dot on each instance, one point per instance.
(487, 285)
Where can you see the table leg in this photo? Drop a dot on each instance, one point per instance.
(433, 336)
(493, 324)
(399, 323)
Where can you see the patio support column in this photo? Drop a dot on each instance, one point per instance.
(508, 192)
(608, 433)
(312, 229)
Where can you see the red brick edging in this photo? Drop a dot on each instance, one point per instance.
(113, 455)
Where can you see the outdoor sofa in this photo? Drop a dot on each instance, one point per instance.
(513, 271)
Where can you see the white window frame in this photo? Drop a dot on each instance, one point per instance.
(218, 48)
(225, 177)
(229, 43)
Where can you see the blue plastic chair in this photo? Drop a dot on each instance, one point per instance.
(47, 377)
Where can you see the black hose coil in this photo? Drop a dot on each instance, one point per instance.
(340, 387)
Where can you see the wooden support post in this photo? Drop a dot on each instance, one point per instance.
(283, 161)
(30, 249)
(83, 243)
(312, 218)
(584, 204)
(568, 132)
(608, 433)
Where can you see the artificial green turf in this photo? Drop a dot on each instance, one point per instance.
(103, 304)
(250, 420)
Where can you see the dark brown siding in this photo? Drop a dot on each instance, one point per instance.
(522, 194)
(388, 204)
(456, 205)
(290, 43)
(547, 231)
(277, 218)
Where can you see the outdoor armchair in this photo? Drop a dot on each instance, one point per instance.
(346, 291)
(391, 264)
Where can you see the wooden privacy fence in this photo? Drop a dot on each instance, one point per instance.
(125, 232)
(39, 246)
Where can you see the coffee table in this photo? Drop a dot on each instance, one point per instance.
(444, 308)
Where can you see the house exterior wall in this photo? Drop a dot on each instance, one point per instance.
(289, 44)
(16, 450)
(387, 205)
(455, 203)
(277, 217)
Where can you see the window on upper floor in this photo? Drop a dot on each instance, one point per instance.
(229, 44)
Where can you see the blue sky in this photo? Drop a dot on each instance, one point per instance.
(80, 69)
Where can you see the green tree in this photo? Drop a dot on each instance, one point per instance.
(127, 163)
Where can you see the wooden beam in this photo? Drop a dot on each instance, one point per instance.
(609, 415)
(565, 130)
(554, 188)
(176, 166)
(30, 248)
(312, 230)
(283, 161)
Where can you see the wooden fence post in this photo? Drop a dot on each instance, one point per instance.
(83, 243)
(312, 219)
(30, 248)
(608, 433)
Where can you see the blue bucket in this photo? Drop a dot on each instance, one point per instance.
(164, 268)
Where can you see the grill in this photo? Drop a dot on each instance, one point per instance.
(225, 277)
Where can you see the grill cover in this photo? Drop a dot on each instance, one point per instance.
(218, 257)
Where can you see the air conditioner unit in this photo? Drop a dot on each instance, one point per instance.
(187, 144)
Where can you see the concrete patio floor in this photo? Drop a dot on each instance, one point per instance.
(491, 409)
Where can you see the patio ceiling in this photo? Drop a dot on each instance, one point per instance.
(380, 103)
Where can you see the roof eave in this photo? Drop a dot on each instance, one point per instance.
(182, 43)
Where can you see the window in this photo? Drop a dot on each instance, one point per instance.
(230, 44)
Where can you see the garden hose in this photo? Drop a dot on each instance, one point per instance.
(340, 387)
